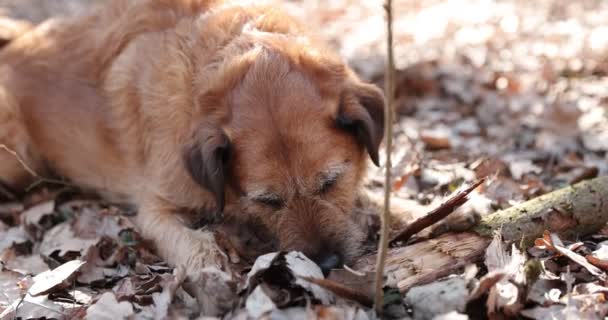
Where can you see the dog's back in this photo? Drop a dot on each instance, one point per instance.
(59, 67)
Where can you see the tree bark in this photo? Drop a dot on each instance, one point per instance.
(428, 260)
(571, 212)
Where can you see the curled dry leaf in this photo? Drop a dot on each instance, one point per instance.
(52, 279)
(296, 267)
(506, 295)
(557, 244)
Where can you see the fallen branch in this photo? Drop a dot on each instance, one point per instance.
(570, 212)
(437, 214)
(428, 260)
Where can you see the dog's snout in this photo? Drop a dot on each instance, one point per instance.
(329, 261)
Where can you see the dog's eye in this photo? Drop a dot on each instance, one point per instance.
(327, 185)
(273, 202)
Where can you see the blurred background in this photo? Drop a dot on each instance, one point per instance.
(513, 89)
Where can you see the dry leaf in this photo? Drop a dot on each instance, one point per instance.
(259, 303)
(52, 279)
(33, 215)
(10, 289)
(519, 168)
(437, 298)
(506, 295)
(215, 291)
(438, 138)
(599, 257)
(30, 265)
(576, 257)
(298, 265)
(169, 284)
(62, 240)
(108, 308)
(12, 236)
(33, 307)
(546, 291)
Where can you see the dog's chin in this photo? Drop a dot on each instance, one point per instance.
(355, 248)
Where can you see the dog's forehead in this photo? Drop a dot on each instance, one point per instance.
(283, 127)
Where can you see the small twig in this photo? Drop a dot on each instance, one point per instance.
(21, 162)
(341, 290)
(437, 214)
(19, 305)
(40, 179)
(388, 133)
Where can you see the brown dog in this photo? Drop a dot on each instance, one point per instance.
(184, 106)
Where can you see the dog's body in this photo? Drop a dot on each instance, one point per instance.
(178, 108)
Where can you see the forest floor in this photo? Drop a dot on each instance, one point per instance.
(515, 90)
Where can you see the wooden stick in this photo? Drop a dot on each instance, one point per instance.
(388, 133)
(341, 290)
(437, 214)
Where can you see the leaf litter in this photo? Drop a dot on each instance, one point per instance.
(514, 90)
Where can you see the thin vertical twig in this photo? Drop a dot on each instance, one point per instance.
(388, 133)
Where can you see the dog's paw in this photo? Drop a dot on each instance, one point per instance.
(200, 250)
(209, 279)
(214, 290)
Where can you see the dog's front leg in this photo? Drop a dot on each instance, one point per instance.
(195, 250)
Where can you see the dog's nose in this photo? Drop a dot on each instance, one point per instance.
(328, 261)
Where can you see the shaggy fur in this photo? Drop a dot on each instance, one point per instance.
(186, 106)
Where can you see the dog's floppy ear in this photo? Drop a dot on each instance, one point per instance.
(207, 162)
(361, 112)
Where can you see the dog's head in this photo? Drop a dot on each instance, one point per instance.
(292, 151)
